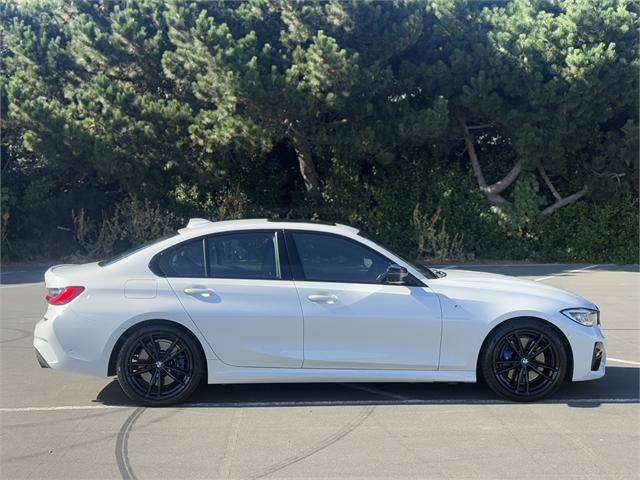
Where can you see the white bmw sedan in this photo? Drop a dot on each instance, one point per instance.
(254, 301)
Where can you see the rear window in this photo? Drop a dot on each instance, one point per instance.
(185, 260)
(131, 251)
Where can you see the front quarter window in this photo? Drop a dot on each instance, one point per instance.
(329, 258)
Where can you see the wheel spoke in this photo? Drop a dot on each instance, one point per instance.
(152, 381)
(168, 350)
(516, 345)
(542, 365)
(526, 379)
(538, 352)
(518, 381)
(174, 355)
(146, 349)
(174, 377)
(541, 373)
(178, 370)
(507, 369)
(156, 348)
(142, 368)
(535, 344)
(159, 381)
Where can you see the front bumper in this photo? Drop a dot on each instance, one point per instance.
(589, 352)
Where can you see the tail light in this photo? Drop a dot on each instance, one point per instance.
(62, 296)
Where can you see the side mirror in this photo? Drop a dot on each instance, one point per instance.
(395, 274)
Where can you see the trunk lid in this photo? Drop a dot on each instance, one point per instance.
(65, 275)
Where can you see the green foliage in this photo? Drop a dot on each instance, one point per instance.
(354, 111)
(583, 232)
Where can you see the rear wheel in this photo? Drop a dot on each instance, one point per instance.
(524, 360)
(159, 365)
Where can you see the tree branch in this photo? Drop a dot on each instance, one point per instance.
(492, 194)
(478, 127)
(544, 176)
(564, 201)
(500, 185)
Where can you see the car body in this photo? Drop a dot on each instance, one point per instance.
(283, 301)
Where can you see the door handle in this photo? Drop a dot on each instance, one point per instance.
(322, 298)
(199, 291)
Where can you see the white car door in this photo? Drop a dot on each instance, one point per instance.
(240, 295)
(351, 319)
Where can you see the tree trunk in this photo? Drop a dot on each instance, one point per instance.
(307, 167)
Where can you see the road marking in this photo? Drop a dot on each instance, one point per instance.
(622, 361)
(232, 441)
(565, 272)
(323, 403)
(61, 408)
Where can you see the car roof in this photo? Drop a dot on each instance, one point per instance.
(199, 226)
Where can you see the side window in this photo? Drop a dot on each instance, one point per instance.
(243, 255)
(186, 260)
(326, 258)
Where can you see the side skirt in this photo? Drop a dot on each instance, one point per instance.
(222, 373)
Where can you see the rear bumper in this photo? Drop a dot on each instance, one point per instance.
(55, 350)
(43, 363)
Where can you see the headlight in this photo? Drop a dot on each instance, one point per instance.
(583, 316)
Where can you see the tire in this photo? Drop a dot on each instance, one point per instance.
(524, 360)
(159, 365)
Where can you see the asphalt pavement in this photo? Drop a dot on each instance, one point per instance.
(60, 425)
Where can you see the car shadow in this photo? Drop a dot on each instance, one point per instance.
(620, 385)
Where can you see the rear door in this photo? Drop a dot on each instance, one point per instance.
(352, 319)
(237, 288)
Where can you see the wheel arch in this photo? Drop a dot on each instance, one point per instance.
(113, 357)
(563, 337)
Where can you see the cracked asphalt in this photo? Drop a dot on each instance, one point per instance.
(59, 425)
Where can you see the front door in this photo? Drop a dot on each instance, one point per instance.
(240, 296)
(352, 319)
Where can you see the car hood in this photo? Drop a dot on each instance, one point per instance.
(457, 281)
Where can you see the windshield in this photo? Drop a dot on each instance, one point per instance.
(131, 251)
(427, 272)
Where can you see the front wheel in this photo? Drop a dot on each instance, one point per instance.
(159, 365)
(524, 361)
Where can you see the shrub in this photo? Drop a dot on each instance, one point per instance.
(132, 222)
(433, 240)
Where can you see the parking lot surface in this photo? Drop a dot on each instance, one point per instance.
(59, 425)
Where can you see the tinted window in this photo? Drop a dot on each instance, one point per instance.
(243, 255)
(326, 258)
(186, 260)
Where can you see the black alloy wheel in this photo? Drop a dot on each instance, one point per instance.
(524, 361)
(159, 365)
